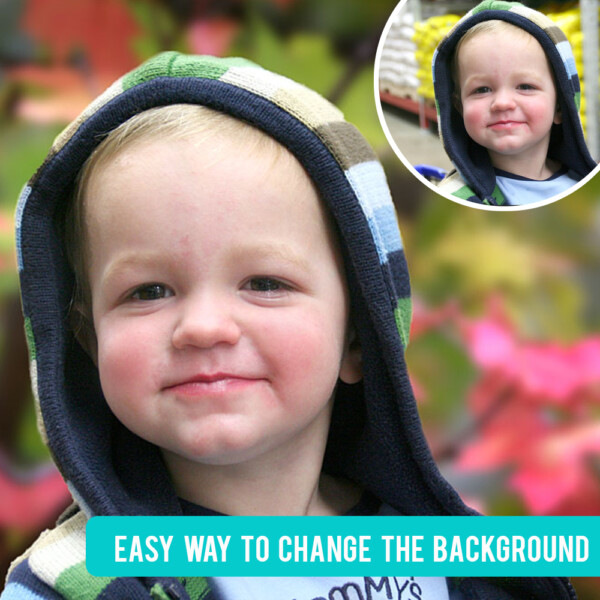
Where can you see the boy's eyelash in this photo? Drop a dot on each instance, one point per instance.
(262, 284)
(266, 284)
(150, 291)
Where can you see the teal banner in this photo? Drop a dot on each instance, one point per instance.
(341, 546)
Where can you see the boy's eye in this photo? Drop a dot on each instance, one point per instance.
(526, 86)
(484, 89)
(152, 291)
(266, 285)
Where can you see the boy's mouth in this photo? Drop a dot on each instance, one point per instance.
(505, 124)
(214, 383)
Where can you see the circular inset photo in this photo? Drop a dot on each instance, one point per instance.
(488, 103)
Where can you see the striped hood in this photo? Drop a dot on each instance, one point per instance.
(477, 181)
(375, 438)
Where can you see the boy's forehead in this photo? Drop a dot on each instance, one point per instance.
(224, 163)
(228, 177)
(503, 34)
(503, 45)
(122, 157)
(215, 134)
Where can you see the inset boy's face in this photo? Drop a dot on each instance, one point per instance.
(508, 95)
(219, 302)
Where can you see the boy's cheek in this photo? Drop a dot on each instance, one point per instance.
(124, 360)
(472, 118)
(311, 354)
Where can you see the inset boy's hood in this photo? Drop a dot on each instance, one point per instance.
(567, 144)
(376, 437)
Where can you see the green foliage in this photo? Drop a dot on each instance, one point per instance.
(358, 105)
(439, 363)
(342, 19)
(159, 28)
(31, 449)
(311, 59)
(306, 57)
(23, 147)
(539, 262)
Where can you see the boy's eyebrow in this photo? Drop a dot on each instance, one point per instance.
(520, 72)
(271, 250)
(259, 251)
(131, 260)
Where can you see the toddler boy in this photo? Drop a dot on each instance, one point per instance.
(225, 248)
(508, 98)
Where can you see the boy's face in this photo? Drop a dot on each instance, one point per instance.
(218, 300)
(508, 95)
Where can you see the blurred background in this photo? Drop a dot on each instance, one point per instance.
(505, 346)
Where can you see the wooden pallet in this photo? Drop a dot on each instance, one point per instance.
(425, 109)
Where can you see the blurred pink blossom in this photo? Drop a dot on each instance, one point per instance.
(212, 35)
(557, 470)
(423, 320)
(536, 409)
(31, 505)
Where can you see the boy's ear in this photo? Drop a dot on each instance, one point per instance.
(351, 367)
(87, 338)
(557, 115)
(457, 103)
(83, 330)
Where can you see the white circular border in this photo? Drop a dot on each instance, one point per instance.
(410, 167)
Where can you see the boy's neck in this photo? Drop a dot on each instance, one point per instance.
(285, 485)
(531, 166)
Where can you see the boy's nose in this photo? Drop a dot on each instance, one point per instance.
(204, 323)
(503, 100)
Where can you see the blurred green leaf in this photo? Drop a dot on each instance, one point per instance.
(439, 363)
(23, 147)
(31, 449)
(159, 30)
(342, 19)
(305, 57)
(358, 105)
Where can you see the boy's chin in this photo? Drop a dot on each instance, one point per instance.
(225, 453)
(506, 147)
(498, 154)
(517, 146)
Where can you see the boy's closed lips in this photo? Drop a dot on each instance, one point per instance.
(505, 125)
(213, 385)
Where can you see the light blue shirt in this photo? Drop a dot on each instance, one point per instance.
(334, 588)
(519, 190)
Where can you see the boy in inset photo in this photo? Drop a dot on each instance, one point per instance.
(217, 306)
(508, 96)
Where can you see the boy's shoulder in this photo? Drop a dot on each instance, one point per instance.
(454, 185)
(54, 569)
(56, 561)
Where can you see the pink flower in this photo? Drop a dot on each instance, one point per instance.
(535, 407)
(557, 470)
(31, 505)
